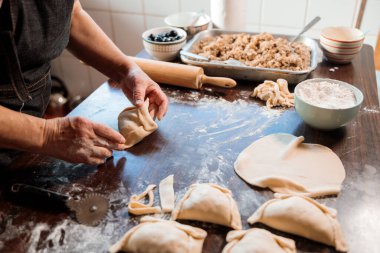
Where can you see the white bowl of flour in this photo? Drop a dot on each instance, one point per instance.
(327, 103)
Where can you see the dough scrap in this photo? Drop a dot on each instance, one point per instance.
(274, 93)
(302, 216)
(257, 240)
(208, 203)
(285, 165)
(137, 208)
(167, 196)
(161, 236)
(136, 123)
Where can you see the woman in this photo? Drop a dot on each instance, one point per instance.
(33, 33)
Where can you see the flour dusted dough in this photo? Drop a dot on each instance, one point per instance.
(257, 240)
(167, 197)
(284, 164)
(161, 236)
(302, 216)
(137, 208)
(274, 93)
(208, 203)
(136, 123)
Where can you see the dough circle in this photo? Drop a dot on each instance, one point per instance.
(282, 163)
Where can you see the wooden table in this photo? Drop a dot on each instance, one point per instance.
(198, 141)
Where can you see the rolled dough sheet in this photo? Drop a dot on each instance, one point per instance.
(282, 163)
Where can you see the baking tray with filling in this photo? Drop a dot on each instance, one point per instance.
(242, 72)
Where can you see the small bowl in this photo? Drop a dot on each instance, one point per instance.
(326, 118)
(341, 44)
(163, 51)
(184, 21)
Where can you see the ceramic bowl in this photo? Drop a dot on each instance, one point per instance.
(341, 44)
(163, 51)
(326, 118)
(184, 20)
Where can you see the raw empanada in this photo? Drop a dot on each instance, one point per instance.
(136, 123)
(302, 216)
(161, 236)
(208, 203)
(257, 240)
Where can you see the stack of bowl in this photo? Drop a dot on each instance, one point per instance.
(191, 22)
(341, 44)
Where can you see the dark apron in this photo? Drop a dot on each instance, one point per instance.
(31, 35)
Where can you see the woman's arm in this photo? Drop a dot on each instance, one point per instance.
(90, 44)
(75, 139)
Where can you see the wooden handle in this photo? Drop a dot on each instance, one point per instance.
(219, 81)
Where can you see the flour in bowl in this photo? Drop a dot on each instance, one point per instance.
(327, 95)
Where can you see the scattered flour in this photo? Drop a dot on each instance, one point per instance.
(371, 109)
(327, 95)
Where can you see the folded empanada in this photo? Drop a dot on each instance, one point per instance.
(208, 203)
(302, 216)
(161, 236)
(257, 240)
(136, 123)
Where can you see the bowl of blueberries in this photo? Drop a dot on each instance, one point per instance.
(164, 43)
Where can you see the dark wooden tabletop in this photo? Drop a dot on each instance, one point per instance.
(198, 141)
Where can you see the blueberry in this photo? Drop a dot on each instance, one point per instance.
(159, 39)
(151, 37)
(173, 33)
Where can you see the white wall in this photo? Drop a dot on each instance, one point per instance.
(125, 20)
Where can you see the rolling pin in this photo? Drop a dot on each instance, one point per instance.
(180, 75)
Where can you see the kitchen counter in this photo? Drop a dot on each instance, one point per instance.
(198, 141)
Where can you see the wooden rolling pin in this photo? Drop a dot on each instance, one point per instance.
(180, 75)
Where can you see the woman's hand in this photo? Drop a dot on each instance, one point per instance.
(137, 86)
(79, 140)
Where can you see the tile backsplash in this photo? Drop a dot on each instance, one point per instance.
(125, 20)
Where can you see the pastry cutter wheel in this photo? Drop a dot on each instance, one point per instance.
(89, 210)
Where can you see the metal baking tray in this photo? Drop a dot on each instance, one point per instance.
(247, 72)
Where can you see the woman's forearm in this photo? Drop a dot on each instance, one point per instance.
(20, 131)
(90, 44)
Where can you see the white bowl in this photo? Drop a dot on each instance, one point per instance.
(164, 51)
(341, 44)
(184, 21)
(326, 118)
